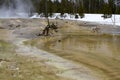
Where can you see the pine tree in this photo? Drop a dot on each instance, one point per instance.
(50, 8)
(81, 10)
(56, 6)
(107, 11)
(70, 7)
(73, 6)
(62, 7)
(112, 6)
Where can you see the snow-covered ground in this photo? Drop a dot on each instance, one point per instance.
(97, 18)
(88, 17)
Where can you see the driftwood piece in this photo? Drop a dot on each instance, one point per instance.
(47, 29)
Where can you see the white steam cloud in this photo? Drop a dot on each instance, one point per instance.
(16, 9)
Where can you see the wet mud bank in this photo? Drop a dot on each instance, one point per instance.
(97, 51)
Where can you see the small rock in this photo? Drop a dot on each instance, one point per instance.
(18, 26)
(59, 40)
(13, 67)
(11, 25)
(1, 60)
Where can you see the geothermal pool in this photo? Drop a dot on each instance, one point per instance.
(99, 53)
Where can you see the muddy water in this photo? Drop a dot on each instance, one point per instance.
(100, 53)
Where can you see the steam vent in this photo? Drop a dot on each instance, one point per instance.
(15, 8)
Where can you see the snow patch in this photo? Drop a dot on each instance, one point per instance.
(97, 18)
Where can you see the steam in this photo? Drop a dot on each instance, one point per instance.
(16, 9)
(106, 1)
